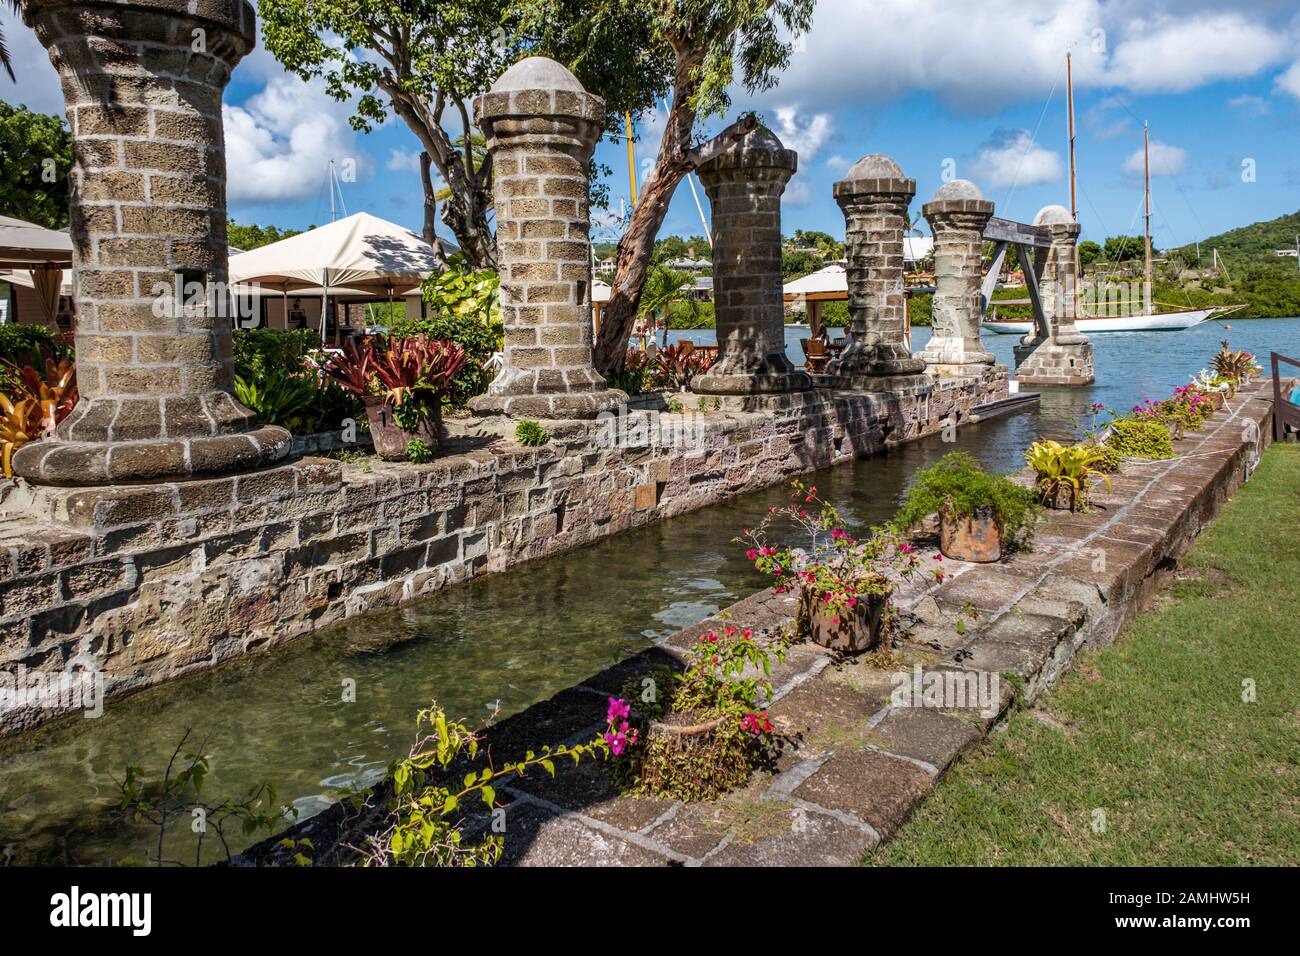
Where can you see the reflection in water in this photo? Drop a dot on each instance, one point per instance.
(505, 640)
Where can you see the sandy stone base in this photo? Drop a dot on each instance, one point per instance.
(854, 762)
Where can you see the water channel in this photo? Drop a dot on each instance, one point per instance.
(501, 642)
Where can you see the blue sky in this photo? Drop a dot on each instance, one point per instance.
(974, 89)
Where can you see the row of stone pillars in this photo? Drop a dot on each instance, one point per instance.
(143, 83)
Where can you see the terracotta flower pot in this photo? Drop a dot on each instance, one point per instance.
(973, 537)
(1060, 497)
(391, 439)
(855, 630)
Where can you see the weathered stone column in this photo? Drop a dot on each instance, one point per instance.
(541, 127)
(957, 216)
(1064, 357)
(143, 84)
(745, 183)
(874, 197)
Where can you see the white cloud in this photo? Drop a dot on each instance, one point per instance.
(805, 137)
(1249, 105)
(1173, 54)
(838, 163)
(980, 58)
(1012, 158)
(279, 141)
(1289, 82)
(796, 193)
(1166, 160)
(403, 161)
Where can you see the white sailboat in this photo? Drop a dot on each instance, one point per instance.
(1150, 320)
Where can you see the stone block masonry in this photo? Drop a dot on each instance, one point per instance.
(856, 757)
(143, 85)
(152, 582)
(541, 127)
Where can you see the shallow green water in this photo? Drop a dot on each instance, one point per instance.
(505, 640)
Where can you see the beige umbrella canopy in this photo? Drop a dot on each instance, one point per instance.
(25, 244)
(362, 254)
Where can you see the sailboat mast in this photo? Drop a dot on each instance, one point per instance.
(1146, 167)
(1069, 99)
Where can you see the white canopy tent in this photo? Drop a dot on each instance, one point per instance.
(360, 256)
(43, 253)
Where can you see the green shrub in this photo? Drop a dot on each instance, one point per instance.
(280, 399)
(264, 358)
(835, 315)
(1110, 457)
(957, 481)
(1141, 438)
(690, 314)
(418, 452)
(531, 434)
(919, 308)
(261, 353)
(22, 345)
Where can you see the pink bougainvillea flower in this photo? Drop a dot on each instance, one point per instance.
(747, 634)
(751, 554)
(618, 709)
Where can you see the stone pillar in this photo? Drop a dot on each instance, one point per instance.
(143, 84)
(874, 196)
(957, 216)
(1064, 357)
(745, 183)
(541, 127)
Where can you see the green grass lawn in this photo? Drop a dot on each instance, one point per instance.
(1152, 732)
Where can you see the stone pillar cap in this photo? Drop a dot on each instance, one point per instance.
(758, 148)
(237, 16)
(539, 86)
(1053, 216)
(957, 196)
(875, 173)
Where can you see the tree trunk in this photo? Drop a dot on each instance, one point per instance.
(431, 211)
(636, 247)
(466, 212)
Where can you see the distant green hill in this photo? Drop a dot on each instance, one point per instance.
(1249, 245)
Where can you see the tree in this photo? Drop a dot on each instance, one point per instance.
(4, 50)
(1089, 252)
(710, 41)
(425, 61)
(1123, 248)
(245, 238)
(421, 59)
(35, 157)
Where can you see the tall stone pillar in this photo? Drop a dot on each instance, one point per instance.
(1064, 356)
(957, 216)
(745, 183)
(143, 82)
(541, 127)
(874, 197)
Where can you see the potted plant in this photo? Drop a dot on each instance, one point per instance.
(1063, 473)
(1233, 364)
(701, 732)
(402, 383)
(843, 585)
(980, 515)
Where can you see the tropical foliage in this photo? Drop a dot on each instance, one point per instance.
(1066, 470)
(956, 483)
(35, 157)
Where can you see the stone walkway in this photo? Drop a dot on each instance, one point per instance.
(853, 764)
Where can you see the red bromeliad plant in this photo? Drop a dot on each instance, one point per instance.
(836, 574)
(675, 365)
(402, 382)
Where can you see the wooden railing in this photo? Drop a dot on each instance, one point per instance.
(1284, 412)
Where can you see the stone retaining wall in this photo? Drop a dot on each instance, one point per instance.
(854, 763)
(150, 582)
